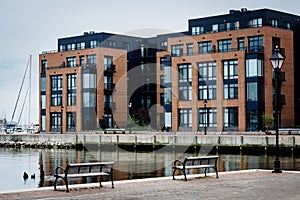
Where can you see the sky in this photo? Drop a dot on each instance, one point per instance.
(28, 27)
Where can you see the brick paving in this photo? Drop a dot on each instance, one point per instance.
(253, 184)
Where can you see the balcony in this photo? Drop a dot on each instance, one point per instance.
(109, 69)
(109, 87)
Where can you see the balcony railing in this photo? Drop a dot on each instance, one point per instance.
(109, 86)
(110, 68)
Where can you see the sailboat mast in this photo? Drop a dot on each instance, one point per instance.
(29, 90)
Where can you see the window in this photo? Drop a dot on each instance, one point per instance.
(93, 43)
(185, 118)
(224, 45)
(254, 68)
(207, 71)
(91, 60)
(89, 99)
(44, 67)
(72, 89)
(189, 49)
(81, 45)
(56, 99)
(108, 118)
(204, 47)
(230, 91)
(71, 62)
(108, 83)
(111, 43)
(71, 47)
(241, 44)
(185, 92)
(230, 69)
(43, 84)
(255, 22)
(207, 92)
(81, 61)
(274, 23)
(108, 101)
(230, 79)
(287, 25)
(163, 43)
(88, 81)
(207, 117)
(71, 120)
(62, 47)
(43, 101)
(196, 30)
(43, 126)
(55, 121)
(126, 46)
(177, 50)
(108, 60)
(232, 25)
(231, 117)
(255, 44)
(185, 72)
(56, 83)
(215, 27)
(252, 91)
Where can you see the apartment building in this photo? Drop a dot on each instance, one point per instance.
(216, 76)
(219, 76)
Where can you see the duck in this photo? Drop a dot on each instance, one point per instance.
(25, 176)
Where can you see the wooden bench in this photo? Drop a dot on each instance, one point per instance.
(114, 130)
(203, 162)
(77, 170)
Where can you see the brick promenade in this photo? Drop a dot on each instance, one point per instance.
(253, 184)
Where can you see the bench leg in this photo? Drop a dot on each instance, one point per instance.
(205, 171)
(55, 182)
(174, 174)
(67, 185)
(217, 175)
(184, 175)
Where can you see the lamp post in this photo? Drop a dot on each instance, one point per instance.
(205, 119)
(61, 113)
(277, 60)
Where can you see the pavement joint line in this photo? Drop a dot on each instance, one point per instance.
(108, 183)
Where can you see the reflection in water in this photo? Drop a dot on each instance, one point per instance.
(128, 165)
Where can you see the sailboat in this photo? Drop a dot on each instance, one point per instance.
(15, 126)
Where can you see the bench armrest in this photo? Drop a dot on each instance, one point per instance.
(176, 162)
(59, 168)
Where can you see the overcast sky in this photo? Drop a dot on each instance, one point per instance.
(29, 27)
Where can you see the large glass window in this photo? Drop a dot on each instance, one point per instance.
(62, 47)
(91, 60)
(44, 67)
(207, 117)
(252, 91)
(81, 61)
(185, 72)
(177, 50)
(189, 49)
(43, 84)
(55, 120)
(185, 118)
(241, 44)
(230, 69)
(56, 83)
(230, 79)
(224, 45)
(71, 62)
(254, 68)
(108, 60)
(255, 43)
(257, 22)
(231, 117)
(93, 43)
(71, 47)
(71, 89)
(185, 93)
(56, 99)
(273, 22)
(89, 81)
(207, 71)
(197, 30)
(204, 47)
(71, 120)
(81, 45)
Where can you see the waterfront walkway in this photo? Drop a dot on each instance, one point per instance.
(251, 184)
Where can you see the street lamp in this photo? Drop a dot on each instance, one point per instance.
(277, 60)
(205, 119)
(61, 120)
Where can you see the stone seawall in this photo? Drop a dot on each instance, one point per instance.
(134, 140)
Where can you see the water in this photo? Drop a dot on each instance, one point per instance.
(128, 165)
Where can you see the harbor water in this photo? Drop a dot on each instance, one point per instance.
(40, 164)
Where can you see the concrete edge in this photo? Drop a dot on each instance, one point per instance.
(108, 183)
